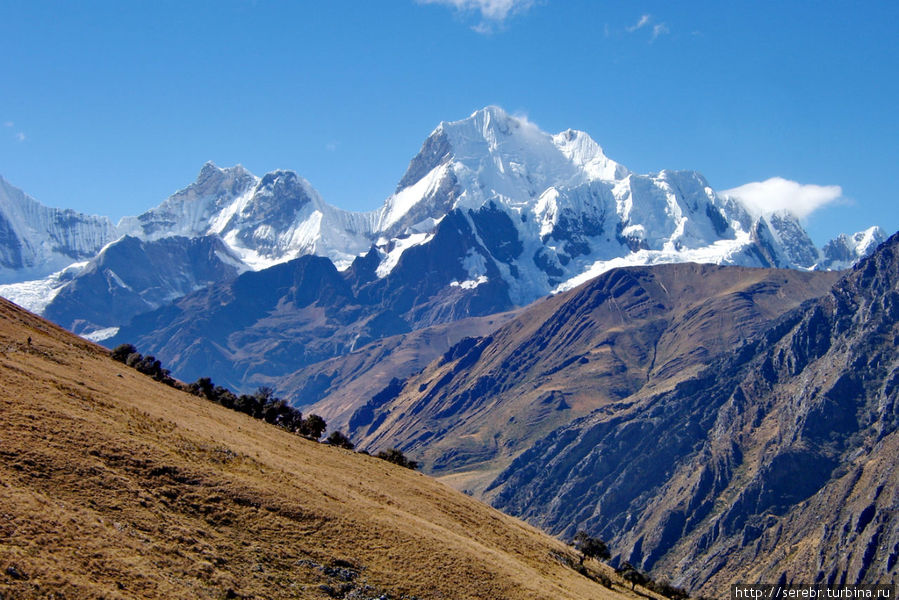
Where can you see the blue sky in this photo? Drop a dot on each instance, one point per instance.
(109, 107)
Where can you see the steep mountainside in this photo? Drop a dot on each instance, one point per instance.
(337, 387)
(36, 240)
(132, 276)
(267, 324)
(777, 462)
(114, 486)
(626, 334)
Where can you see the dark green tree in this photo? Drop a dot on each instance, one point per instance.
(397, 457)
(203, 387)
(591, 547)
(631, 574)
(338, 439)
(313, 427)
(122, 352)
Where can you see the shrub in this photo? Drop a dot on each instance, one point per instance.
(122, 351)
(669, 591)
(397, 457)
(313, 427)
(591, 547)
(338, 439)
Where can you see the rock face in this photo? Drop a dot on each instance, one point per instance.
(36, 240)
(133, 276)
(628, 333)
(844, 251)
(264, 221)
(777, 462)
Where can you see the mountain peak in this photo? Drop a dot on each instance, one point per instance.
(211, 170)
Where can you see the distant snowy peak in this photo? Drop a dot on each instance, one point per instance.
(581, 150)
(264, 220)
(491, 157)
(845, 250)
(36, 240)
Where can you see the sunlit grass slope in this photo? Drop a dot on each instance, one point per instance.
(114, 486)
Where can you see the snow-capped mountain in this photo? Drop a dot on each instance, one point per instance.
(265, 221)
(844, 251)
(36, 240)
(554, 210)
(532, 214)
(131, 276)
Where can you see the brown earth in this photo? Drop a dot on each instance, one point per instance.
(114, 486)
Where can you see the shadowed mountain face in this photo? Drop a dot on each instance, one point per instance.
(266, 324)
(625, 335)
(132, 276)
(777, 462)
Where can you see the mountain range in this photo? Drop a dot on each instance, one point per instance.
(715, 424)
(636, 356)
(495, 212)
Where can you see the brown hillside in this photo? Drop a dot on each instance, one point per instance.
(626, 334)
(114, 486)
(337, 387)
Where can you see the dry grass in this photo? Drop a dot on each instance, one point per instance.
(114, 486)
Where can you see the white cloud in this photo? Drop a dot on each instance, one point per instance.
(778, 193)
(493, 12)
(8, 124)
(643, 22)
(659, 29)
(20, 137)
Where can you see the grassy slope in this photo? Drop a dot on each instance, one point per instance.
(114, 486)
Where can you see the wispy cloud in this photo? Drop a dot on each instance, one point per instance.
(777, 194)
(20, 137)
(642, 22)
(493, 13)
(659, 29)
(647, 20)
(8, 124)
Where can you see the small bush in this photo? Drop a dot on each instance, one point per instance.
(313, 427)
(669, 591)
(397, 457)
(591, 547)
(338, 439)
(122, 352)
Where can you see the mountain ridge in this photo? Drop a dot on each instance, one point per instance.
(773, 463)
(554, 211)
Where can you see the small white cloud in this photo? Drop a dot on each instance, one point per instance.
(331, 146)
(777, 194)
(659, 29)
(493, 12)
(643, 22)
(8, 124)
(20, 137)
